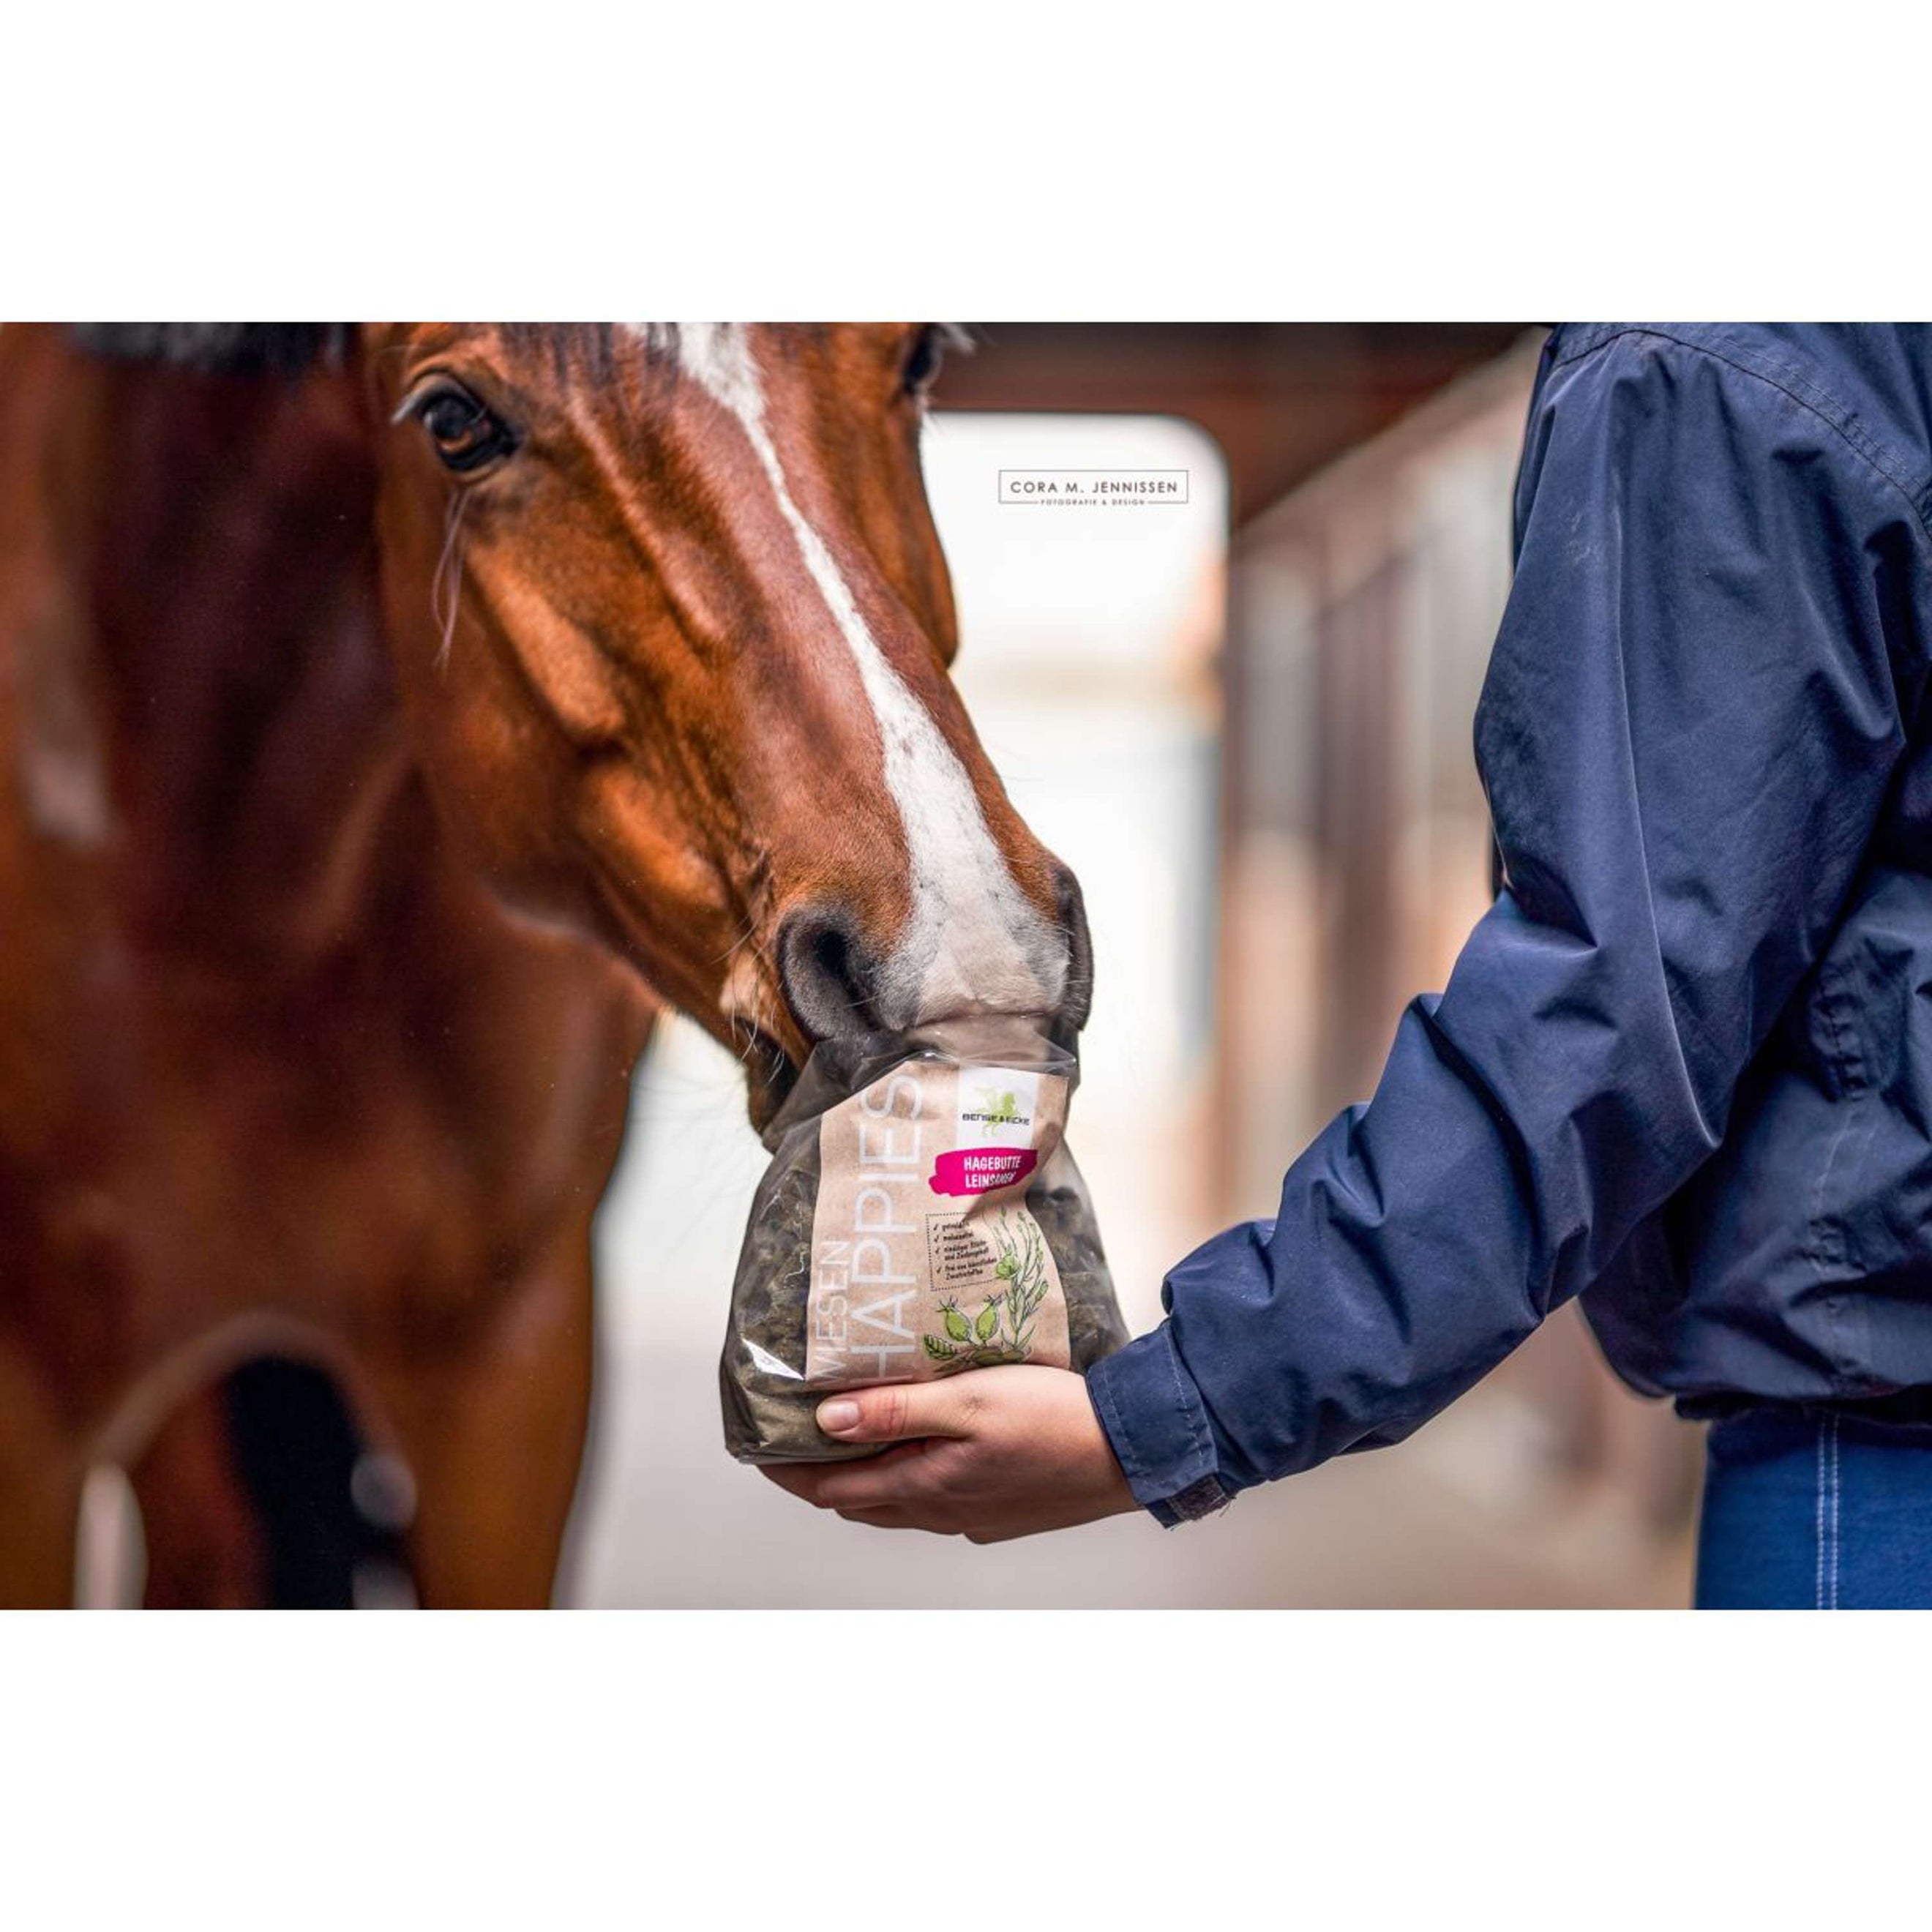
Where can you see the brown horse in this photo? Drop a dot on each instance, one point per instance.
(390, 718)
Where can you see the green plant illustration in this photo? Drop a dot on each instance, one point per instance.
(998, 1109)
(1002, 1331)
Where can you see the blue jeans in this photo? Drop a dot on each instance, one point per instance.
(1816, 1510)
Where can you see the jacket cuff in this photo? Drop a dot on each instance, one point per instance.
(1158, 1428)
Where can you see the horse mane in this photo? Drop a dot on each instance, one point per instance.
(218, 348)
(288, 348)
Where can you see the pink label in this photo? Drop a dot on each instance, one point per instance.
(981, 1170)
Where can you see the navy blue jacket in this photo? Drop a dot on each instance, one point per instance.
(1684, 1065)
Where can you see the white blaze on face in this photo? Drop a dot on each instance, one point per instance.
(974, 941)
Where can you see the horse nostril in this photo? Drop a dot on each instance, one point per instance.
(829, 976)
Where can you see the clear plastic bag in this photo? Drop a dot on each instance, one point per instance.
(921, 1217)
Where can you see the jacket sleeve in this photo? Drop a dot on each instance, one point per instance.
(1686, 733)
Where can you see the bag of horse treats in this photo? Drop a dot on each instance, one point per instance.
(921, 1217)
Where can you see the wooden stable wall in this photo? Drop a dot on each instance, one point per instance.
(1368, 469)
(1362, 608)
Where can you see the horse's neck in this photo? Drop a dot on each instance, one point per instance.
(207, 701)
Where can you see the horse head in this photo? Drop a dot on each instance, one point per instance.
(673, 629)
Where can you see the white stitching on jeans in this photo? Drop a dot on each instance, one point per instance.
(1837, 1540)
(1818, 1592)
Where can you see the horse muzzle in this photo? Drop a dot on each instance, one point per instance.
(836, 981)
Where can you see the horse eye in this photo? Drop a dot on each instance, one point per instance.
(924, 354)
(467, 436)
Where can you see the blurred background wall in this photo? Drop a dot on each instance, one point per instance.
(1245, 720)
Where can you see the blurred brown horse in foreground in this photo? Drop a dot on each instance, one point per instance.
(390, 718)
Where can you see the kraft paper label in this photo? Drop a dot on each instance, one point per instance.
(925, 1259)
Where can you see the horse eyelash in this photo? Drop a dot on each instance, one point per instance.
(449, 566)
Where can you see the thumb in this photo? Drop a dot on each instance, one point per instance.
(896, 1413)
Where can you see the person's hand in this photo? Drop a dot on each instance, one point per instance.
(995, 1454)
